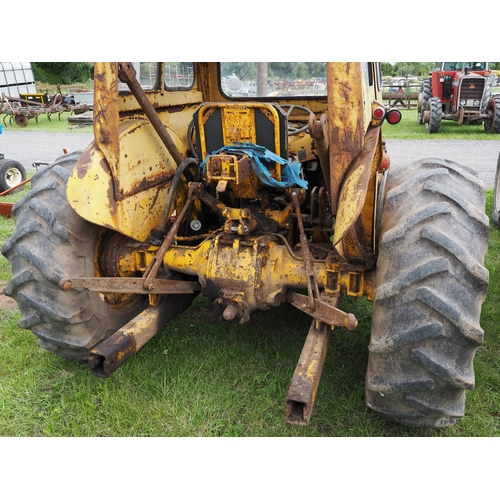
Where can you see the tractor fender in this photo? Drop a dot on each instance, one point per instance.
(119, 198)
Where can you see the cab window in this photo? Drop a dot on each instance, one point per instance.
(274, 79)
(147, 74)
(179, 75)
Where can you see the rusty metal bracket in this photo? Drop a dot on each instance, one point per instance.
(323, 311)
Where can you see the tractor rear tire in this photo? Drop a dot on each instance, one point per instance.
(431, 283)
(496, 196)
(12, 173)
(492, 125)
(52, 242)
(423, 99)
(436, 112)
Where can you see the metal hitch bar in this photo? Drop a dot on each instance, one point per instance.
(106, 357)
(114, 351)
(130, 285)
(302, 393)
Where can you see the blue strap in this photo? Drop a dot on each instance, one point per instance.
(290, 173)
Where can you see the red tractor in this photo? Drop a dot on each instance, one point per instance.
(459, 91)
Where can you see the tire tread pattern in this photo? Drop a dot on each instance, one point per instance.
(431, 282)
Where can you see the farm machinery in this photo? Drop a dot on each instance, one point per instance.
(459, 91)
(255, 202)
(21, 109)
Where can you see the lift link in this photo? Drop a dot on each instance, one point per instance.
(129, 285)
(152, 270)
(312, 285)
(323, 311)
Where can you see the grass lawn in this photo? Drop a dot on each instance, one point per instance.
(199, 377)
(45, 123)
(410, 129)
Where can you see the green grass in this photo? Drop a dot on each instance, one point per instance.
(54, 123)
(199, 377)
(409, 129)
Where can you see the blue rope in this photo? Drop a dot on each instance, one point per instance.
(290, 173)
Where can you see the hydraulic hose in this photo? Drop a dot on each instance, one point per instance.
(159, 232)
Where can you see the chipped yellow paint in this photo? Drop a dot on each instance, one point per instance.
(355, 186)
(130, 207)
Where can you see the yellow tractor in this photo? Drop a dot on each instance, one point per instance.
(257, 184)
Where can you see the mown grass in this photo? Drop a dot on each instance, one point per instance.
(410, 129)
(199, 377)
(45, 123)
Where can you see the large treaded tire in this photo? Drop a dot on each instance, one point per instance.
(496, 196)
(423, 99)
(431, 283)
(52, 242)
(435, 107)
(492, 125)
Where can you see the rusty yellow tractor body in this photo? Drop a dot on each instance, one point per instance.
(123, 180)
(252, 192)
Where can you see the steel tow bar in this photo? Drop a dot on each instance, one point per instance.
(302, 393)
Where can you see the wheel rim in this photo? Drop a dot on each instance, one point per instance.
(13, 177)
(21, 120)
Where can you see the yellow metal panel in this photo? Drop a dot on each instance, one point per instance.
(106, 113)
(354, 189)
(133, 207)
(346, 123)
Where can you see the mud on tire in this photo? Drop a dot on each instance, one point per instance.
(52, 242)
(431, 284)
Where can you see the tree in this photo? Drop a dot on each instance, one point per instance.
(387, 69)
(62, 72)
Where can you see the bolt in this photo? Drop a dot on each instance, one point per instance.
(65, 284)
(230, 312)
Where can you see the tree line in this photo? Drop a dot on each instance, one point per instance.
(65, 73)
(416, 68)
(68, 73)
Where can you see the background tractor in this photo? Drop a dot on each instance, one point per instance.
(255, 188)
(459, 91)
